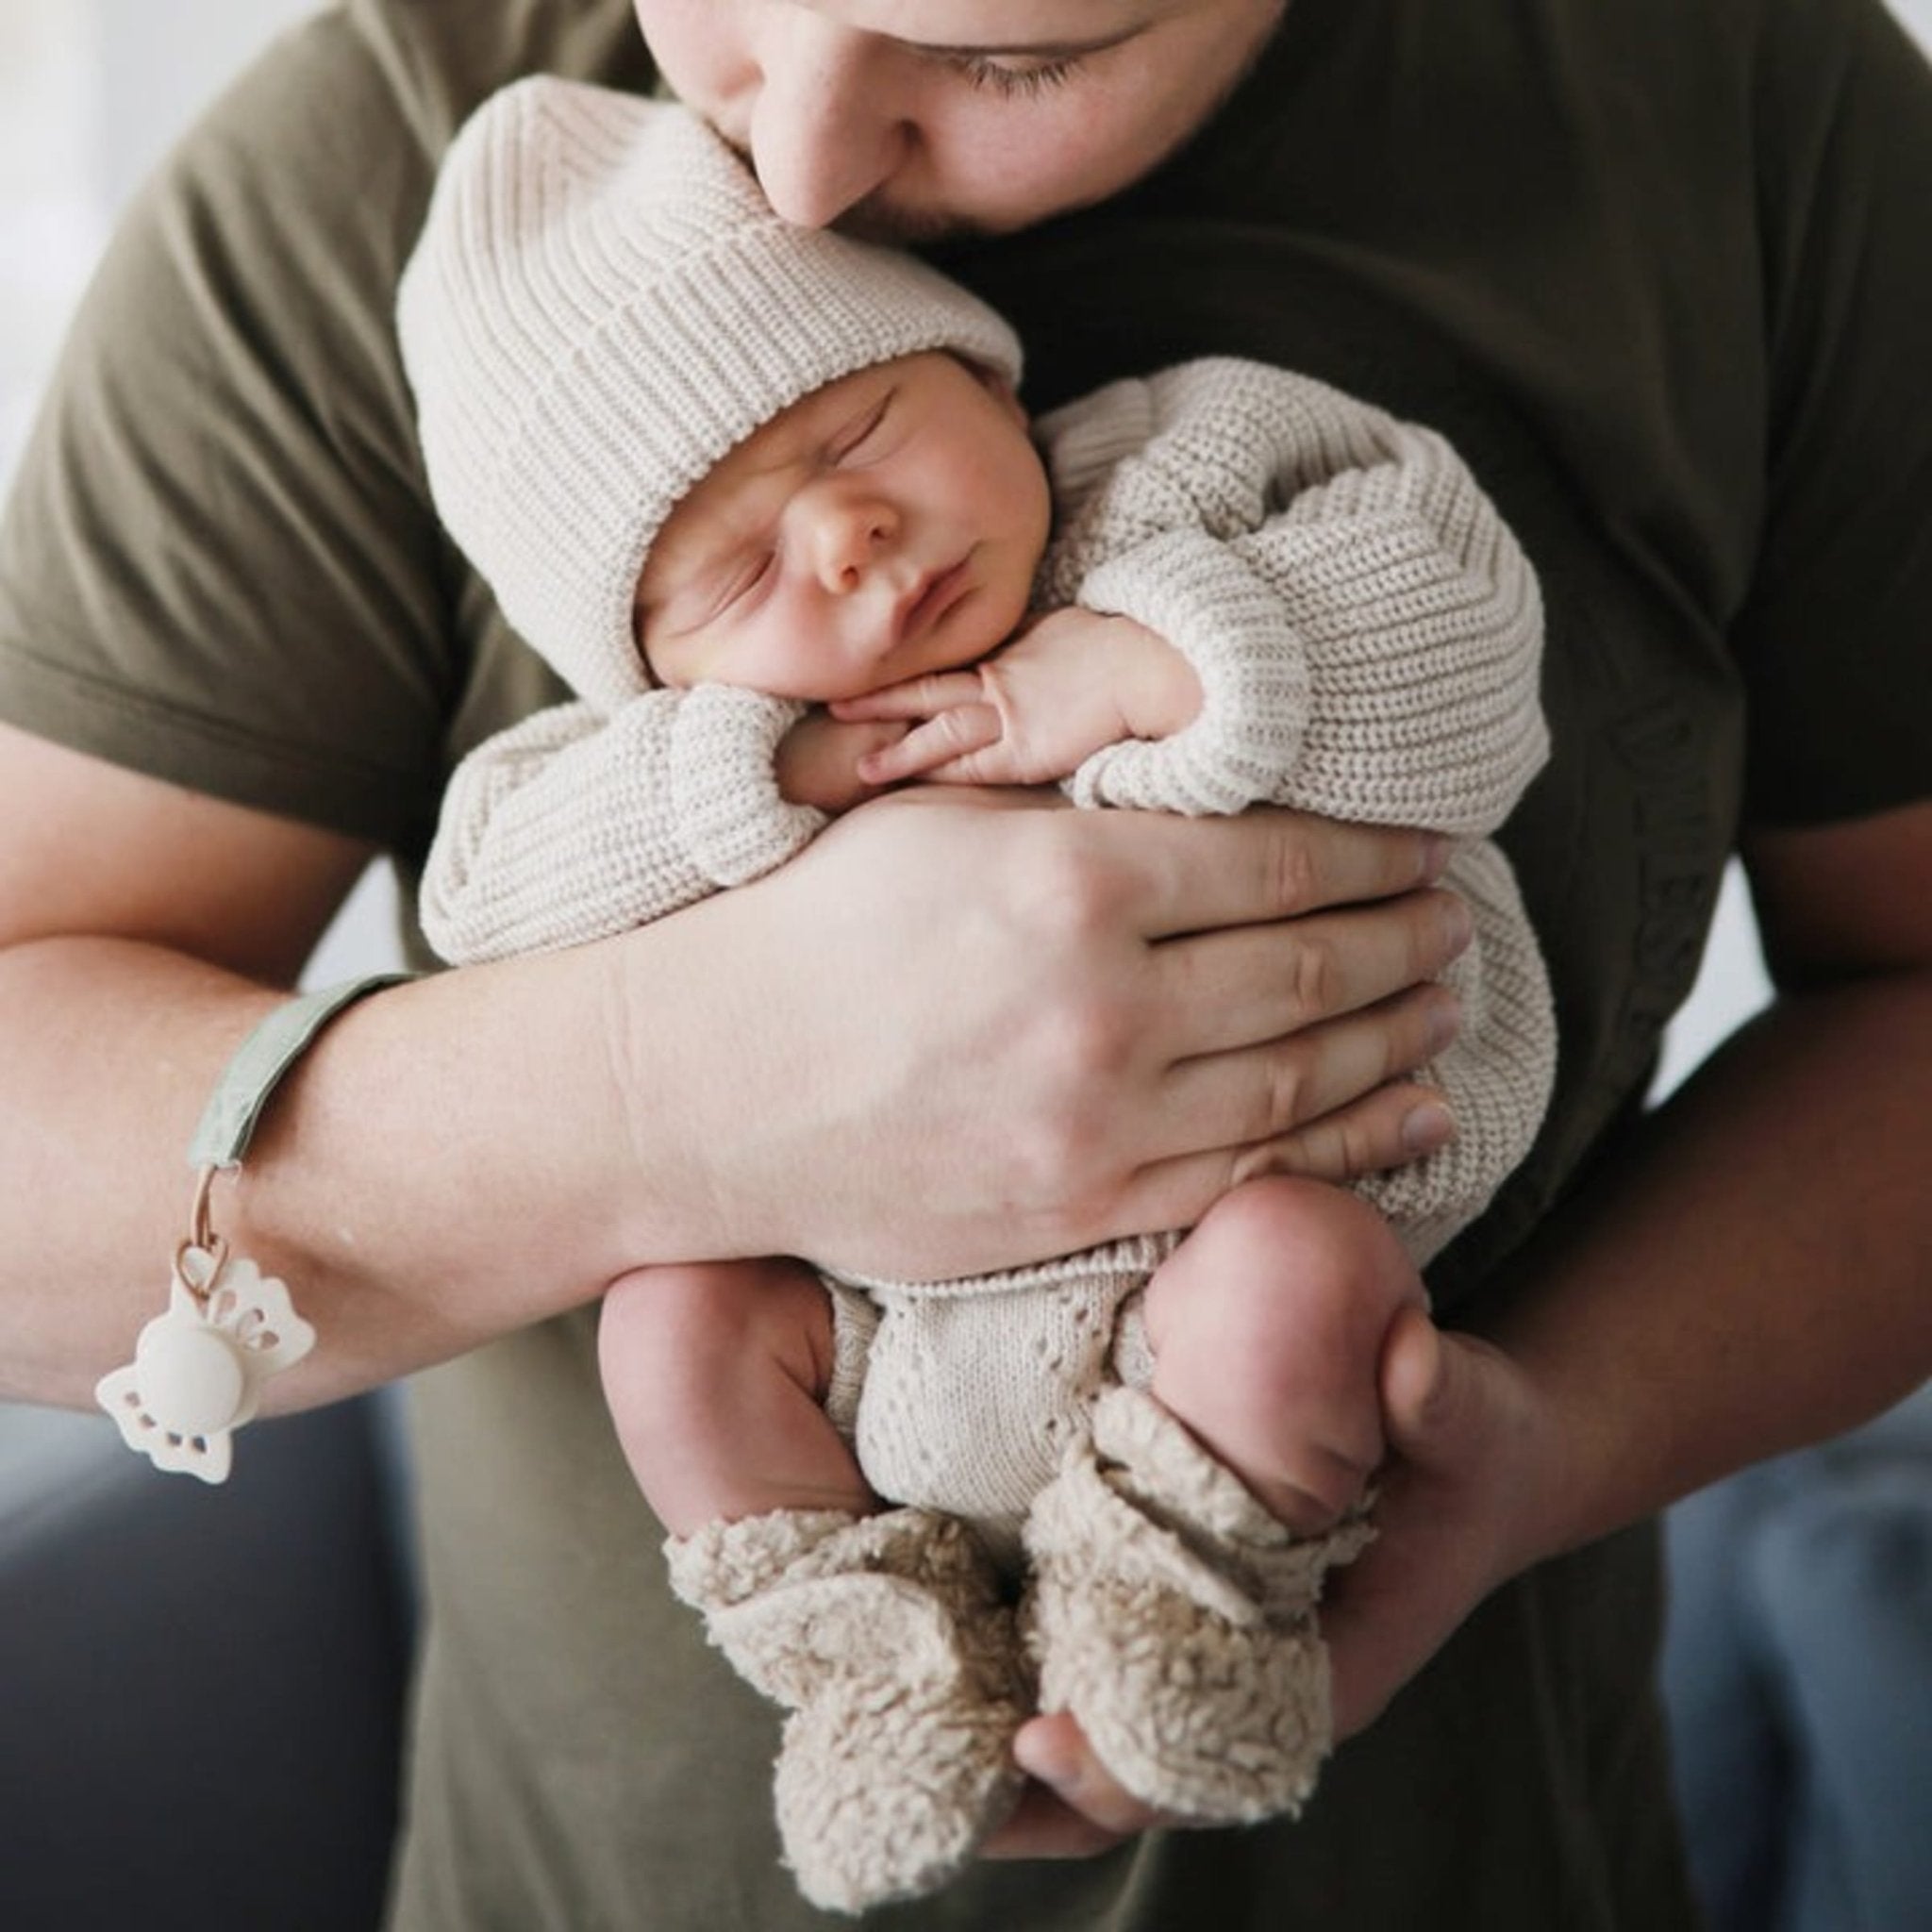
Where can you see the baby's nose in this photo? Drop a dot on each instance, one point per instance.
(849, 538)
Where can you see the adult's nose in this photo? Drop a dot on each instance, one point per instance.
(823, 133)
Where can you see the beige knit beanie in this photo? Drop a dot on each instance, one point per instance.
(601, 306)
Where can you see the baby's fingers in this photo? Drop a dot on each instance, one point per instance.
(917, 697)
(952, 735)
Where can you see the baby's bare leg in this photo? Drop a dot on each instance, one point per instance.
(715, 1373)
(1267, 1326)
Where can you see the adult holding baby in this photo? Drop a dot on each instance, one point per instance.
(224, 730)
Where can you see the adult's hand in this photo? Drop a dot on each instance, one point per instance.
(1038, 1028)
(1466, 1499)
(1749, 1278)
(1458, 1511)
(947, 1036)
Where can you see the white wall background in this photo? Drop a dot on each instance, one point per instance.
(90, 93)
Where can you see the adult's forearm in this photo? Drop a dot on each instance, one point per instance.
(393, 1183)
(1758, 1274)
(1044, 1027)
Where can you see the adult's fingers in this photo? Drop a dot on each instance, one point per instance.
(1399, 1122)
(1245, 984)
(1254, 1095)
(1077, 1807)
(1396, 1123)
(1044, 1826)
(1463, 1433)
(1202, 874)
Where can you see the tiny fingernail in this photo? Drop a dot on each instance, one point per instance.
(1427, 1126)
(1458, 929)
(1436, 851)
(1445, 1019)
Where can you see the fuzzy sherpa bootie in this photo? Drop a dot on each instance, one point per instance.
(1174, 1617)
(887, 1640)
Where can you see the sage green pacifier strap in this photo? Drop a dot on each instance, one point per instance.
(249, 1081)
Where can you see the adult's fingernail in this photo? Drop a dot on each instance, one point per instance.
(1429, 1369)
(1436, 851)
(1426, 1126)
(1459, 928)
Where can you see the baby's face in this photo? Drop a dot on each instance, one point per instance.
(887, 526)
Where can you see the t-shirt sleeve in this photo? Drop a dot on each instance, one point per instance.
(217, 565)
(1835, 639)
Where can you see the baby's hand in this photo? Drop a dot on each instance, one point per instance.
(1035, 711)
(819, 761)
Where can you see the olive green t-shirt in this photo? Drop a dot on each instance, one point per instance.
(1658, 269)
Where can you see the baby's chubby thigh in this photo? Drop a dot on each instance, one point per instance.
(973, 1390)
(1267, 1326)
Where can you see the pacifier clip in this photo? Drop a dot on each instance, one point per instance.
(199, 1367)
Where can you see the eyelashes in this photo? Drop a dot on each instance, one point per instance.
(730, 582)
(849, 444)
(745, 582)
(1014, 83)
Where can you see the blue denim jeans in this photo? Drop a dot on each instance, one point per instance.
(1798, 1678)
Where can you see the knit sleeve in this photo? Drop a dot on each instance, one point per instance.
(1365, 628)
(1207, 601)
(575, 825)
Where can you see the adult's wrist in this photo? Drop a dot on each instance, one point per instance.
(445, 1165)
(688, 1040)
(204, 1358)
